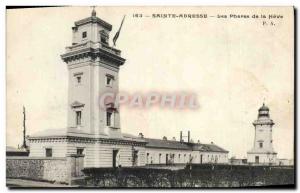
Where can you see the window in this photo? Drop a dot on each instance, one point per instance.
(260, 145)
(159, 158)
(172, 158)
(147, 158)
(84, 34)
(48, 152)
(78, 118)
(104, 40)
(109, 80)
(78, 79)
(80, 151)
(108, 118)
(104, 37)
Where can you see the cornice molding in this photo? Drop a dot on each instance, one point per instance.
(103, 55)
(74, 139)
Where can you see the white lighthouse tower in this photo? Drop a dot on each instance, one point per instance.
(262, 151)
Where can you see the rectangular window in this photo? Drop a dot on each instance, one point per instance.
(104, 37)
(109, 80)
(159, 158)
(84, 34)
(104, 40)
(147, 161)
(108, 118)
(80, 151)
(78, 78)
(48, 152)
(260, 145)
(78, 118)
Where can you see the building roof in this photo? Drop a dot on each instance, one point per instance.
(208, 148)
(159, 143)
(53, 133)
(150, 142)
(50, 132)
(264, 108)
(94, 19)
(13, 149)
(169, 144)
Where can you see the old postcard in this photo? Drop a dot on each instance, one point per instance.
(150, 97)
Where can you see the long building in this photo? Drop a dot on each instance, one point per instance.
(95, 133)
(175, 152)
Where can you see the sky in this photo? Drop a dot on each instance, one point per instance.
(233, 65)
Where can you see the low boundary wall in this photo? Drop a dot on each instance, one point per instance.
(42, 169)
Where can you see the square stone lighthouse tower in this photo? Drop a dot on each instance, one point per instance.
(93, 70)
(262, 151)
(93, 131)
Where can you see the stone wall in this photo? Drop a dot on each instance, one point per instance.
(48, 169)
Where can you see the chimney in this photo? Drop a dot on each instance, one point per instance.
(189, 136)
(173, 139)
(165, 138)
(180, 138)
(141, 135)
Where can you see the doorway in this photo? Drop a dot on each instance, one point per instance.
(201, 158)
(167, 159)
(115, 154)
(135, 157)
(256, 159)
